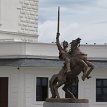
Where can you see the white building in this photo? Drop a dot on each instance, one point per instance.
(26, 65)
(17, 20)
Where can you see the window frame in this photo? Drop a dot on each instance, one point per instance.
(40, 102)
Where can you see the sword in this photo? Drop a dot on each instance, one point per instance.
(58, 23)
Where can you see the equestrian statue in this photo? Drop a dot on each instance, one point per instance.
(75, 62)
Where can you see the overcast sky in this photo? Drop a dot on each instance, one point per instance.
(86, 19)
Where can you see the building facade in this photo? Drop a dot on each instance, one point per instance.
(25, 69)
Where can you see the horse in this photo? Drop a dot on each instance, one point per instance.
(79, 57)
(78, 64)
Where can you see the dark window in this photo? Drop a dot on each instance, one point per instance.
(101, 90)
(41, 88)
(3, 91)
(74, 89)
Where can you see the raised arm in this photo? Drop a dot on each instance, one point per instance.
(58, 43)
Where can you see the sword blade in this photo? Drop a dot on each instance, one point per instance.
(58, 24)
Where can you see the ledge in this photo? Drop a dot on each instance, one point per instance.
(67, 100)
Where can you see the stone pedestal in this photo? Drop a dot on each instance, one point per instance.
(66, 103)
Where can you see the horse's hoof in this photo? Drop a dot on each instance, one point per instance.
(75, 101)
(88, 77)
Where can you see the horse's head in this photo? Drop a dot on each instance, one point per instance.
(75, 43)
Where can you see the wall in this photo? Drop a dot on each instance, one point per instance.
(30, 83)
(22, 85)
(13, 87)
(87, 89)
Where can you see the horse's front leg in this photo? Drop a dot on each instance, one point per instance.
(90, 70)
(85, 67)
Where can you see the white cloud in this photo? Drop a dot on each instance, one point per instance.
(88, 32)
(102, 3)
(88, 21)
(47, 31)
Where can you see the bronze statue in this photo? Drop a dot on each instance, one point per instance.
(75, 62)
(77, 65)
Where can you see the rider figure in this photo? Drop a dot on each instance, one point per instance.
(63, 52)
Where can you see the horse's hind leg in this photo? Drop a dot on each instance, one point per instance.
(52, 83)
(53, 92)
(56, 88)
(52, 89)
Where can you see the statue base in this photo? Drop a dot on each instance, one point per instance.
(66, 102)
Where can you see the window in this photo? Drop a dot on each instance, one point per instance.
(101, 90)
(0, 12)
(41, 88)
(74, 89)
(3, 91)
